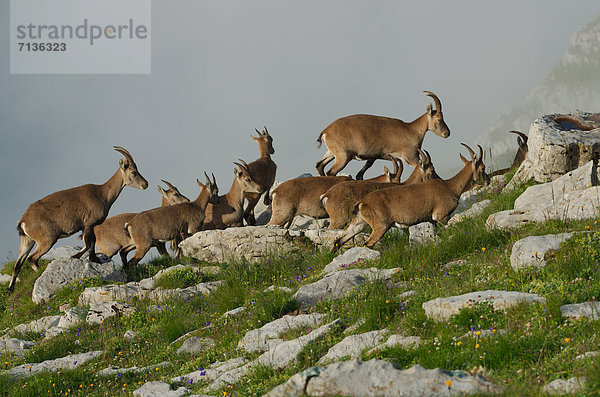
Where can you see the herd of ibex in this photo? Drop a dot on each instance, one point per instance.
(379, 202)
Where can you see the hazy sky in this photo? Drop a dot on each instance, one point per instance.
(221, 69)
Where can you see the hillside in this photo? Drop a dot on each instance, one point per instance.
(572, 84)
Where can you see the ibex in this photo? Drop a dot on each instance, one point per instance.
(167, 223)
(367, 137)
(520, 156)
(66, 212)
(340, 200)
(263, 170)
(230, 210)
(430, 201)
(111, 236)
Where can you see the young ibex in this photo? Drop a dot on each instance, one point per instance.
(111, 236)
(263, 170)
(340, 200)
(230, 210)
(163, 224)
(430, 201)
(367, 137)
(66, 212)
(520, 156)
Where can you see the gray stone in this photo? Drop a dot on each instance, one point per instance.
(351, 257)
(441, 309)
(577, 311)
(230, 377)
(114, 371)
(406, 342)
(159, 294)
(212, 372)
(62, 271)
(234, 312)
(475, 210)
(15, 346)
(157, 388)
(421, 233)
(273, 288)
(60, 252)
(381, 378)
(67, 362)
(337, 284)
(195, 344)
(530, 251)
(101, 311)
(148, 283)
(587, 355)
(129, 335)
(5, 278)
(38, 326)
(267, 336)
(72, 317)
(569, 386)
(352, 346)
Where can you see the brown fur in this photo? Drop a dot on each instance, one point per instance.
(520, 156)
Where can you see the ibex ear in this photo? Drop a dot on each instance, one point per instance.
(199, 183)
(122, 164)
(464, 160)
(430, 109)
(161, 191)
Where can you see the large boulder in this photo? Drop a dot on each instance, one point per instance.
(158, 388)
(381, 378)
(15, 346)
(530, 251)
(60, 272)
(61, 252)
(100, 311)
(576, 311)
(68, 362)
(559, 143)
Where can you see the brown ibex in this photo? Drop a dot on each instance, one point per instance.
(264, 170)
(520, 156)
(66, 212)
(230, 210)
(111, 236)
(367, 137)
(429, 201)
(340, 200)
(163, 224)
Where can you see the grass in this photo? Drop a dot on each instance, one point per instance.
(529, 345)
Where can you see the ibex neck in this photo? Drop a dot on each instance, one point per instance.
(235, 196)
(202, 199)
(164, 203)
(112, 188)
(459, 182)
(421, 125)
(263, 150)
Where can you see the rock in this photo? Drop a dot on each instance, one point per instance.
(352, 346)
(114, 371)
(15, 346)
(62, 271)
(230, 377)
(587, 355)
(100, 311)
(351, 257)
(234, 312)
(183, 293)
(5, 278)
(67, 362)
(572, 196)
(274, 288)
(159, 389)
(267, 336)
(421, 233)
(38, 326)
(148, 283)
(475, 210)
(441, 309)
(569, 386)
(129, 335)
(64, 307)
(254, 243)
(72, 317)
(195, 344)
(530, 251)
(351, 329)
(337, 284)
(60, 252)
(382, 378)
(559, 143)
(406, 342)
(212, 372)
(577, 311)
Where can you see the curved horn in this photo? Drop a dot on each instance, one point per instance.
(258, 132)
(125, 153)
(266, 131)
(438, 104)
(168, 184)
(422, 156)
(428, 156)
(471, 152)
(207, 178)
(519, 133)
(480, 152)
(214, 180)
(245, 164)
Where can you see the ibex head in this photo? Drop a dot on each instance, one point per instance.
(435, 119)
(427, 168)
(523, 150)
(479, 175)
(264, 137)
(211, 187)
(246, 179)
(131, 175)
(172, 194)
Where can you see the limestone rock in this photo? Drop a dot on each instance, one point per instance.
(561, 386)
(159, 389)
(67, 362)
(40, 325)
(15, 346)
(60, 252)
(195, 344)
(72, 317)
(587, 355)
(267, 336)
(114, 371)
(159, 294)
(441, 309)
(234, 312)
(352, 346)
(530, 251)
(5, 278)
(406, 342)
(129, 335)
(475, 210)
(337, 284)
(62, 271)
(100, 311)
(381, 378)
(212, 372)
(577, 311)
(350, 257)
(421, 233)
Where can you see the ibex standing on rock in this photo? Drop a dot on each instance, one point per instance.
(367, 137)
(264, 170)
(520, 156)
(430, 201)
(66, 212)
